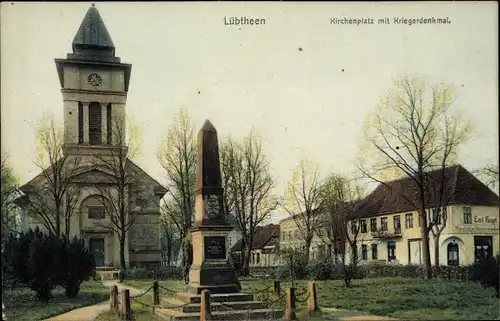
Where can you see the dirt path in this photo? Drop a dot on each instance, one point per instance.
(91, 312)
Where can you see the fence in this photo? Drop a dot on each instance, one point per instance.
(120, 303)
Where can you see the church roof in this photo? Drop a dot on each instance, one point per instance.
(92, 31)
(461, 186)
(158, 188)
(264, 235)
(92, 40)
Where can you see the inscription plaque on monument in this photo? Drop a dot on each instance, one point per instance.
(215, 247)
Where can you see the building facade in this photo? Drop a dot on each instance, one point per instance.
(265, 246)
(94, 85)
(292, 238)
(388, 228)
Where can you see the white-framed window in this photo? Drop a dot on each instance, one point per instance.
(409, 220)
(467, 215)
(383, 224)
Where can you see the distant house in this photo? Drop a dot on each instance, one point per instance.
(292, 238)
(265, 246)
(390, 227)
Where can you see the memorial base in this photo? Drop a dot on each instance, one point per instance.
(217, 278)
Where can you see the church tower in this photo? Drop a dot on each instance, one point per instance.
(94, 85)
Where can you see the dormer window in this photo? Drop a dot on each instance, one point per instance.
(96, 212)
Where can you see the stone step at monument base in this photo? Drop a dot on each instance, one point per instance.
(187, 297)
(225, 306)
(179, 305)
(259, 314)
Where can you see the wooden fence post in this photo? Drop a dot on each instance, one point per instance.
(156, 293)
(205, 309)
(113, 299)
(290, 305)
(277, 288)
(126, 309)
(312, 302)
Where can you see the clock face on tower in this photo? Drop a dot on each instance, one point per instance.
(94, 79)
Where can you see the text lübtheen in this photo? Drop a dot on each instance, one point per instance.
(242, 21)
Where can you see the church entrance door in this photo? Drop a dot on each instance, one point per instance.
(96, 247)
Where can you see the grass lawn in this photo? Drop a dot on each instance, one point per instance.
(21, 304)
(405, 299)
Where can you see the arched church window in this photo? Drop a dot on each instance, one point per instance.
(453, 258)
(95, 123)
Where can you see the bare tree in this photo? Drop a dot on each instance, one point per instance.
(248, 185)
(51, 195)
(177, 156)
(168, 235)
(304, 200)
(411, 133)
(332, 223)
(8, 195)
(124, 191)
(341, 222)
(489, 174)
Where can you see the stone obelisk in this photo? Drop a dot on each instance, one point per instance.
(210, 268)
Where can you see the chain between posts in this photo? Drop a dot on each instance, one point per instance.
(263, 290)
(139, 295)
(304, 300)
(167, 289)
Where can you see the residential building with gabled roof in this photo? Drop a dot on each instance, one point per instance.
(389, 225)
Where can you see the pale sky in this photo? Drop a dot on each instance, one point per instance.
(309, 102)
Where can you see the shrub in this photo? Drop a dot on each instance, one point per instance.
(15, 261)
(266, 272)
(294, 259)
(77, 264)
(43, 265)
(486, 272)
(320, 270)
(42, 262)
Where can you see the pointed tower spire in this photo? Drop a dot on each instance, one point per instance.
(92, 40)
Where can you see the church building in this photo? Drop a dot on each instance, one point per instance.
(110, 202)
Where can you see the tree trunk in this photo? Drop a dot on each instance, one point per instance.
(58, 219)
(426, 255)
(436, 251)
(123, 266)
(169, 253)
(67, 226)
(354, 255)
(246, 263)
(308, 247)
